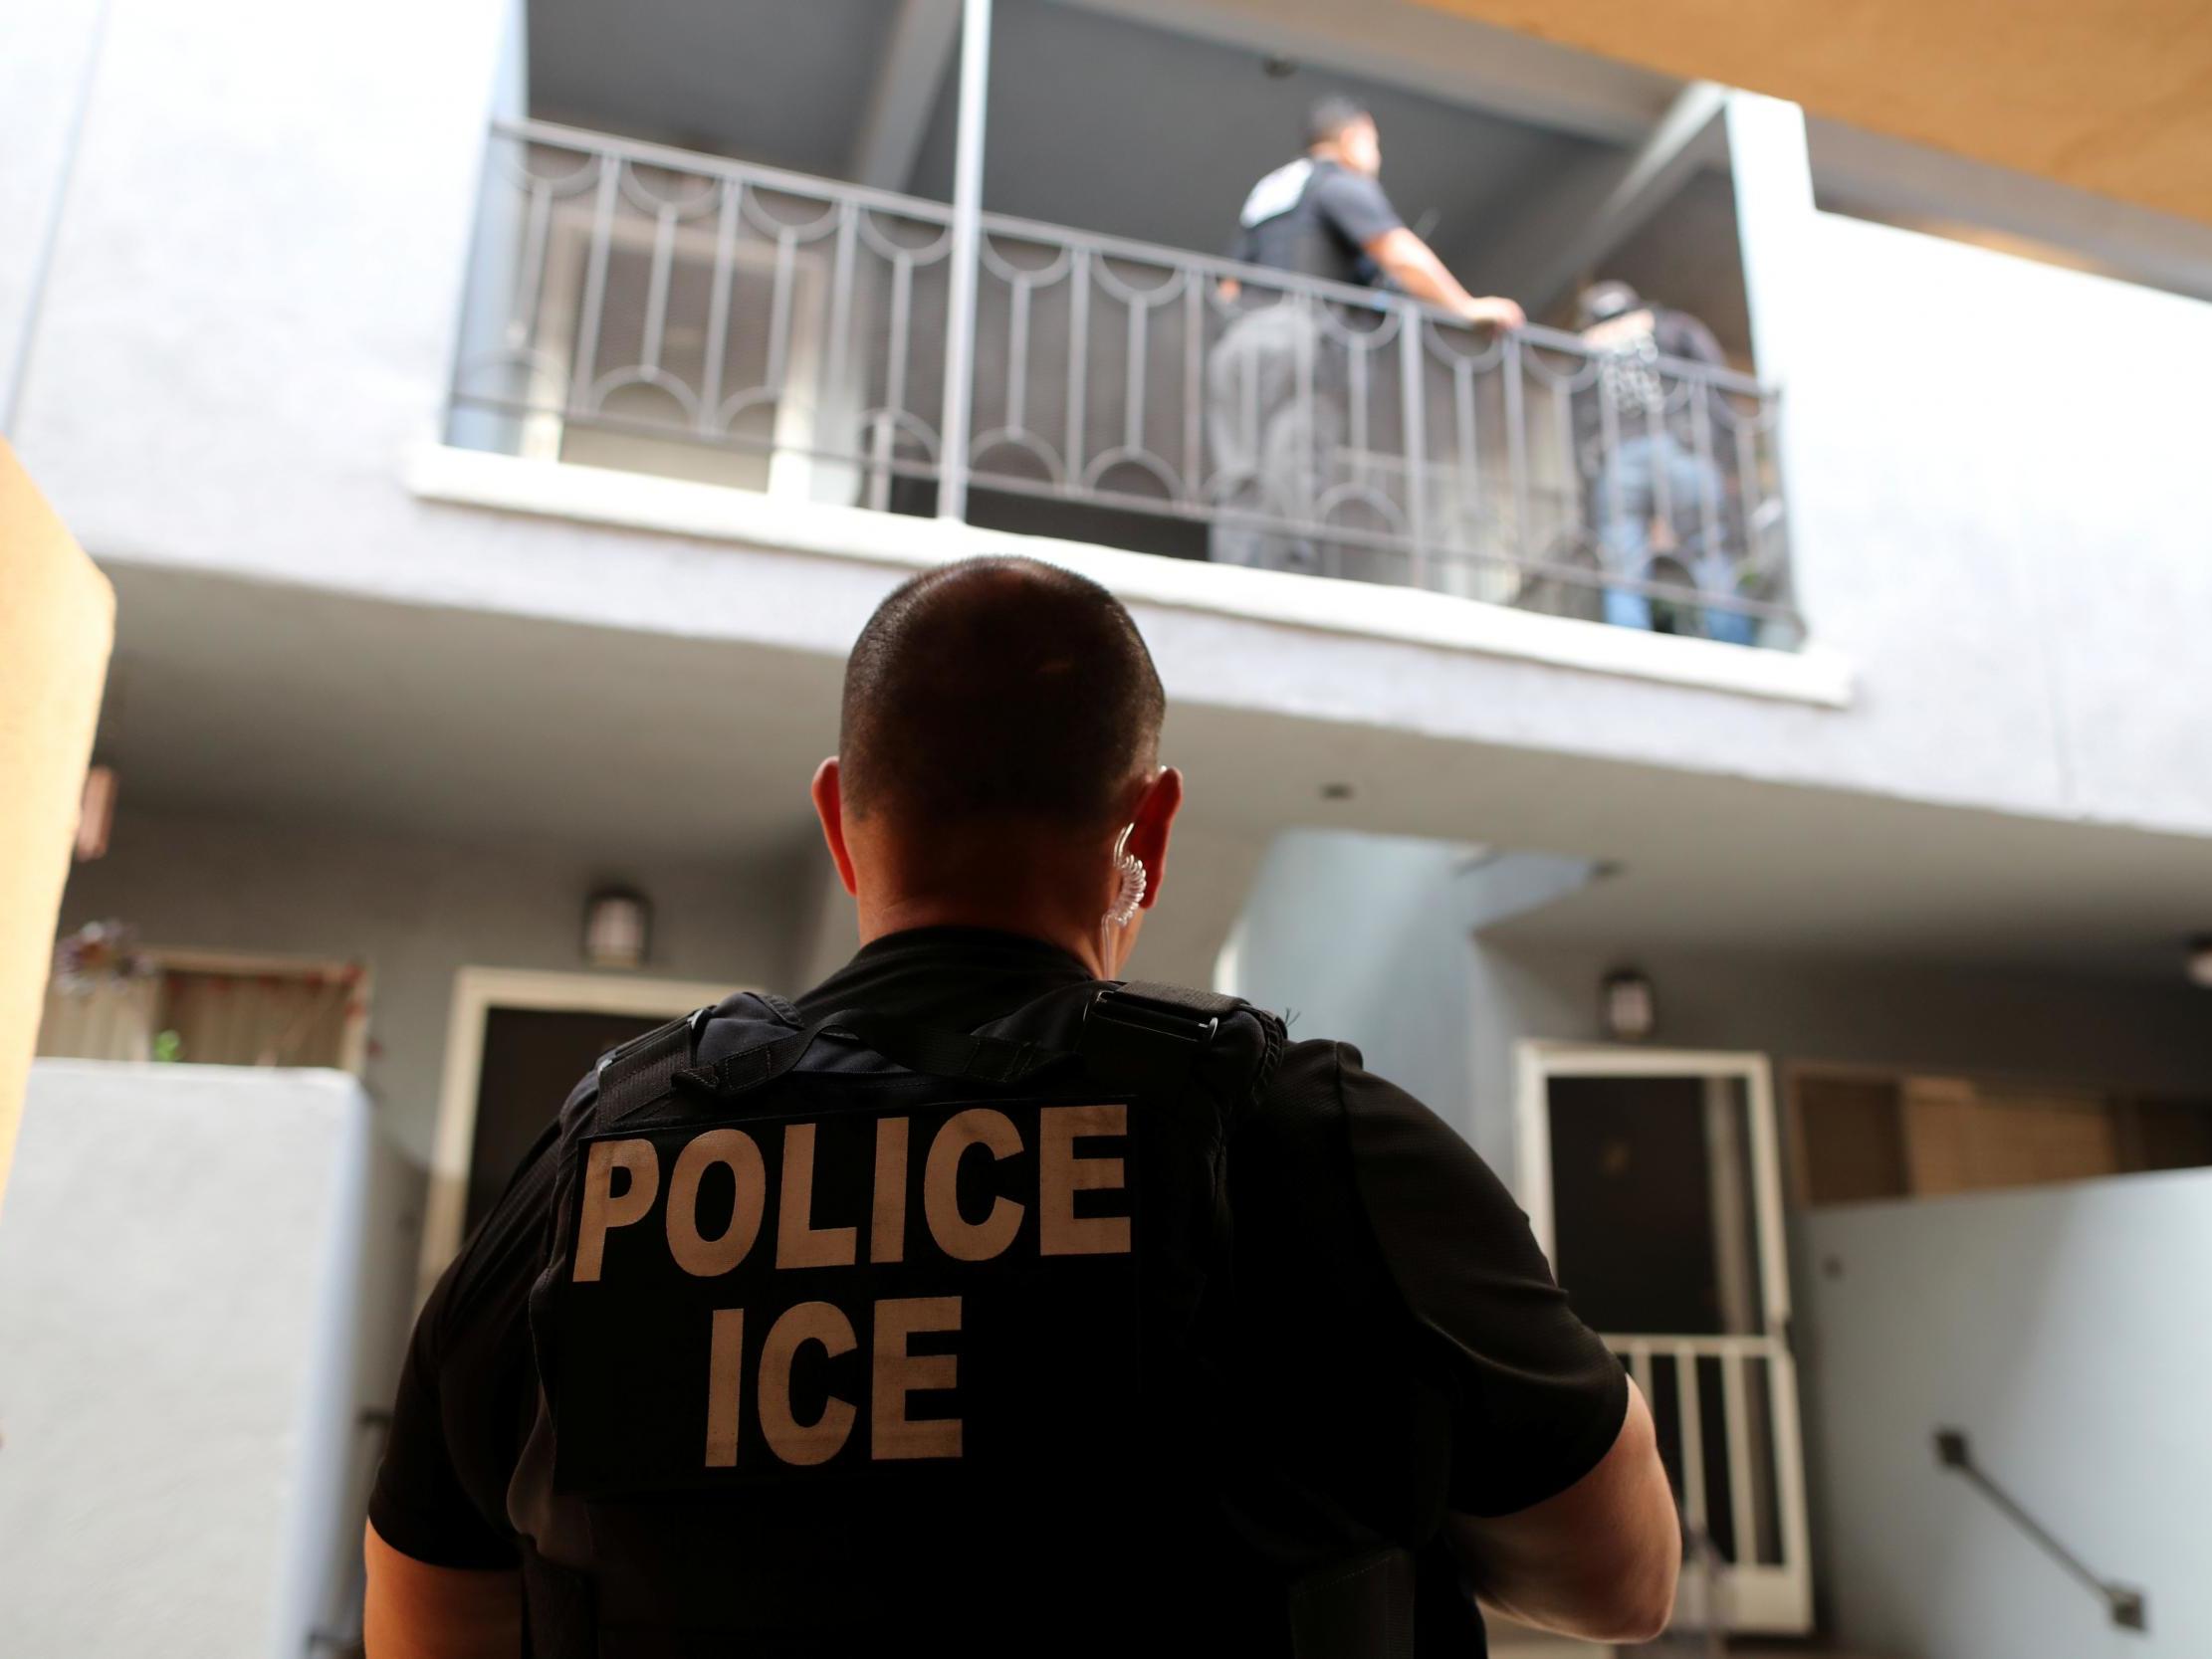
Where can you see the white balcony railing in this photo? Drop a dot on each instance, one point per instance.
(645, 308)
(1726, 1411)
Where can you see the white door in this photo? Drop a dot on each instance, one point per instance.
(1652, 1184)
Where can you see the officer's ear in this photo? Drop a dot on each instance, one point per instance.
(1149, 826)
(829, 793)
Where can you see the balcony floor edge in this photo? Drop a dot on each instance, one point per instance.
(438, 471)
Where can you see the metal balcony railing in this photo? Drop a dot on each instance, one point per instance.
(645, 307)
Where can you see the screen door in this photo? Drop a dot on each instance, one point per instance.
(1652, 1180)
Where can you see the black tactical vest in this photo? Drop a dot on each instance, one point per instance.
(871, 1337)
(1299, 238)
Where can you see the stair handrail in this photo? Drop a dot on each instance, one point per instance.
(2125, 1604)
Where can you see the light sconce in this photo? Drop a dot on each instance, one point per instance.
(1626, 1006)
(2200, 960)
(618, 928)
(96, 812)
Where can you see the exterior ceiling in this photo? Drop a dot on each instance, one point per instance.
(1148, 119)
(1117, 126)
(1110, 123)
(777, 81)
(2114, 98)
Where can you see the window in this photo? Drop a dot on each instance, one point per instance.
(1864, 1134)
(216, 1009)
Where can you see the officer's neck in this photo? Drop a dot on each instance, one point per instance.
(1054, 925)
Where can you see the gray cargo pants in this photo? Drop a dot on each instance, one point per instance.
(1273, 421)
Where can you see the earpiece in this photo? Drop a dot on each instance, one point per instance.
(1132, 891)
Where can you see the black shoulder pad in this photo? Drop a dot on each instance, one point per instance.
(1250, 1047)
(1183, 999)
(1147, 1027)
(642, 1069)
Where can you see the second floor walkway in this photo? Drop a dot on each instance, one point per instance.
(676, 313)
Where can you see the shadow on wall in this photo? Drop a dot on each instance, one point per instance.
(1369, 939)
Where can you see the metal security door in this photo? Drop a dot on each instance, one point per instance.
(1652, 1182)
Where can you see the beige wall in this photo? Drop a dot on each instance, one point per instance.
(2107, 98)
(57, 622)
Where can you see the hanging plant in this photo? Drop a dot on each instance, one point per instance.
(100, 955)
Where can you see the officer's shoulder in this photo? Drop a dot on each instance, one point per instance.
(1296, 1128)
(1334, 178)
(1311, 1072)
(1324, 1080)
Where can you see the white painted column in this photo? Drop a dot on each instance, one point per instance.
(959, 320)
(1771, 165)
(496, 253)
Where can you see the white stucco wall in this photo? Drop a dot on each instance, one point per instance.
(2149, 1038)
(1986, 1311)
(1999, 519)
(42, 78)
(417, 912)
(2155, 1038)
(2064, 1330)
(1375, 939)
(259, 278)
(1364, 938)
(182, 1348)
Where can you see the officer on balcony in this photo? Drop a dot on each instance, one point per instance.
(982, 1303)
(1647, 450)
(1274, 386)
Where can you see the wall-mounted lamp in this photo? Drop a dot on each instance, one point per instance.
(1626, 1006)
(96, 812)
(2199, 965)
(618, 928)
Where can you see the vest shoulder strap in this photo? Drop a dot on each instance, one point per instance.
(787, 1012)
(644, 1069)
(1163, 1033)
(1153, 1031)
(1180, 1001)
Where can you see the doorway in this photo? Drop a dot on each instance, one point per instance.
(532, 1059)
(515, 1044)
(1652, 1180)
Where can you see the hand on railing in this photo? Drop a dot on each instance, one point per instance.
(1493, 311)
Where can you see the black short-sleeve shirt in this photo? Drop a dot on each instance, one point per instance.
(1315, 217)
(1354, 1206)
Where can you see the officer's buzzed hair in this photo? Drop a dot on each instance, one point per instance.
(997, 688)
(1328, 119)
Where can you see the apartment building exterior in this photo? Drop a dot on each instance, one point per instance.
(497, 422)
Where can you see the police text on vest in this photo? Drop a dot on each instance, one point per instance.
(775, 1165)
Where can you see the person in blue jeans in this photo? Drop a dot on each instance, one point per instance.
(1651, 475)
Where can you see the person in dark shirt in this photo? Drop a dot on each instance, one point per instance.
(1273, 385)
(1405, 1364)
(1648, 439)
